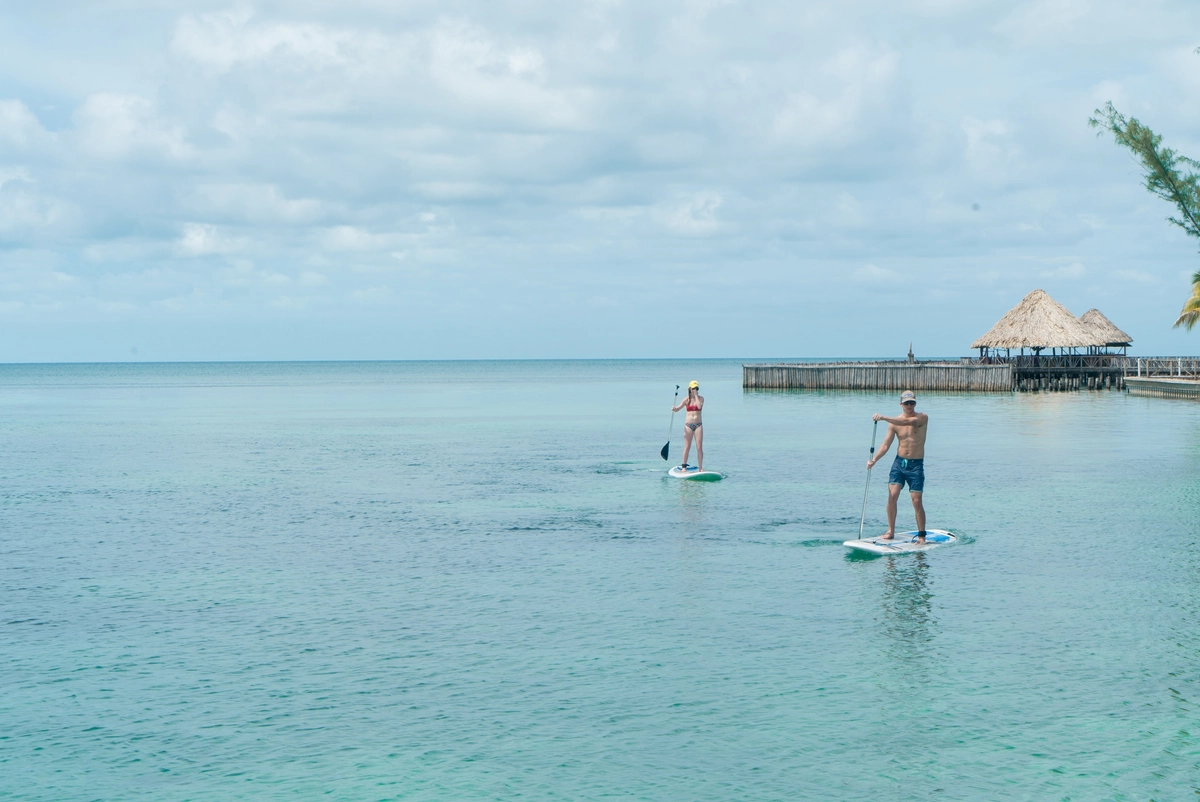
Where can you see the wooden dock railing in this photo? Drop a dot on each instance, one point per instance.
(883, 376)
(1179, 367)
(1058, 372)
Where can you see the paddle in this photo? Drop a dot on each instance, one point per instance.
(863, 520)
(667, 447)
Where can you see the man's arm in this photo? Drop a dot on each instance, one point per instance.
(920, 419)
(887, 443)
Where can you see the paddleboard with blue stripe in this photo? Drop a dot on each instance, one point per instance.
(903, 542)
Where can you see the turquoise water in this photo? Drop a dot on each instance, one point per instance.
(455, 580)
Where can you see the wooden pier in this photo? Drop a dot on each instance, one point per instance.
(1164, 377)
(1067, 372)
(1058, 373)
(962, 376)
(1164, 388)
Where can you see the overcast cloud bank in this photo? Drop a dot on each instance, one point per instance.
(515, 179)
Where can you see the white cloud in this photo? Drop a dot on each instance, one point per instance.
(693, 216)
(200, 239)
(849, 211)
(19, 127)
(350, 238)
(1137, 276)
(112, 125)
(991, 153)
(252, 203)
(1046, 20)
(225, 39)
(833, 112)
(1071, 271)
(27, 215)
(247, 275)
(377, 296)
(10, 174)
(870, 274)
(289, 302)
(498, 81)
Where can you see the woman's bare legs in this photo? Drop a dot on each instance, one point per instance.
(687, 443)
(700, 447)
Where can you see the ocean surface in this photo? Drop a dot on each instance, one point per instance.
(473, 580)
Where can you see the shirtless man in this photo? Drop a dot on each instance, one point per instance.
(910, 429)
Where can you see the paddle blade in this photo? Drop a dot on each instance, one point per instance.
(665, 449)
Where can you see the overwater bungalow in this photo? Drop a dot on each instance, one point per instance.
(1108, 335)
(1054, 350)
(1038, 323)
(1079, 355)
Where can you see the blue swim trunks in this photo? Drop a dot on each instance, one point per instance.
(908, 470)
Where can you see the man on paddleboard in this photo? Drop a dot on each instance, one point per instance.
(910, 429)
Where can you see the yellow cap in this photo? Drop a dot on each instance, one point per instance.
(693, 385)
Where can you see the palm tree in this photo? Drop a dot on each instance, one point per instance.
(1190, 314)
(1164, 171)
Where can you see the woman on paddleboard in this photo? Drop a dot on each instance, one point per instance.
(694, 427)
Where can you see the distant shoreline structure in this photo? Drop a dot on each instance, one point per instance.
(1082, 357)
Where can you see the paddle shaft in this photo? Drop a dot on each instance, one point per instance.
(671, 428)
(863, 520)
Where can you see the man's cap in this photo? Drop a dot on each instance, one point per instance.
(907, 395)
(693, 385)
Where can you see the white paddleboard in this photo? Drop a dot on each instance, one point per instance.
(903, 542)
(695, 473)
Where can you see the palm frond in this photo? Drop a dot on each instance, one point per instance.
(1189, 316)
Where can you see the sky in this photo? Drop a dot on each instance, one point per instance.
(392, 179)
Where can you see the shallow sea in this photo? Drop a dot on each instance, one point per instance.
(473, 580)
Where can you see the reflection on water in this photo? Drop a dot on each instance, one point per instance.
(906, 614)
(692, 496)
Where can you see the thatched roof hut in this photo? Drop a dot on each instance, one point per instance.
(1106, 331)
(1039, 322)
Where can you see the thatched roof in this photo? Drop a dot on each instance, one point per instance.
(1104, 328)
(1038, 321)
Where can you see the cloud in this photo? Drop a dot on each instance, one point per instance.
(845, 89)
(870, 274)
(351, 238)
(243, 161)
(991, 153)
(246, 275)
(114, 126)
(692, 216)
(201, 239)
(1137, 276)
(27, 215)
(253, 203)
(20, 129)
(11, 174)
(1072, 271)
(225, 39)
